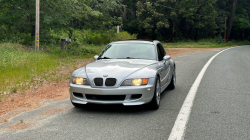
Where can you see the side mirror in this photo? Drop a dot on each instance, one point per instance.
(166, 57)
(96, 56)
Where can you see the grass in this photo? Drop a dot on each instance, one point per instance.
(22, 68)
(19, 67)
(204, 44)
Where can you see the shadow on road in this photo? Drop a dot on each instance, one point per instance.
(113, 109)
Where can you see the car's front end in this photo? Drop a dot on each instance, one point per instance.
(126, 95)
(114, 81)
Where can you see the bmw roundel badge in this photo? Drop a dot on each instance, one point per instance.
(105, 75)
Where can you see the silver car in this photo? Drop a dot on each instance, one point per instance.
(131, 72)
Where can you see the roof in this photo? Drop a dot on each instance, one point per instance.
(134, 41)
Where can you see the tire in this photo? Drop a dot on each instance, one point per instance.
(77, 105)
(155, 102)
(172, 83)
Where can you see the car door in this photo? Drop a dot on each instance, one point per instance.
(164, 65)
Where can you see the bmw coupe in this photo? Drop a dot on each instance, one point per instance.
(130, 72)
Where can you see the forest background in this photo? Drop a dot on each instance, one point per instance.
(95, 21)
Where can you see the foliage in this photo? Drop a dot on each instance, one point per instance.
(188, 19)
(83, 37)
(18, 18)
(149, 18)
(219, 39)
(125, 36)
(95, 20)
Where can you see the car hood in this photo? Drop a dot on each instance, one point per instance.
(118, 69)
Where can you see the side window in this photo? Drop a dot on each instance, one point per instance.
(161, 52)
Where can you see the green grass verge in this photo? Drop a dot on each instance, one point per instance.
(22, 68)
(204, 44)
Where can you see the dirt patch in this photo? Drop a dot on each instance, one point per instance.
(33, 98)
(38, 96)
(17, 126)
(173, 52)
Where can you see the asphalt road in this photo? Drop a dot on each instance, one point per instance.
(221, 108)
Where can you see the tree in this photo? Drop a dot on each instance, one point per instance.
(241, 24)
(230, 24)
(168, 20)
(150, 18)
(198, 15)
(58, 15)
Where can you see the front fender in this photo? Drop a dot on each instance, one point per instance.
(173, 66)
(147, 72)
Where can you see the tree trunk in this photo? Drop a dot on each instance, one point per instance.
(196, 34)
(190, 32)
(230, 24)
(175, 26)
(243, 35)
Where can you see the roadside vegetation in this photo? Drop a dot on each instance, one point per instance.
(204, 44)
(21, 68)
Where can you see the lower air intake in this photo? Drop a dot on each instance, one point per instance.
(78, 95)
(106, 97)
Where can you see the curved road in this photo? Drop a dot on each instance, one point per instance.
(221, 109)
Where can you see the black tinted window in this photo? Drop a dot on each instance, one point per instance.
(161, 52)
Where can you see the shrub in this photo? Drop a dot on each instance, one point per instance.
(125, 36)
(19, 38)
(219, 39)
(78, 50)
(98, 37)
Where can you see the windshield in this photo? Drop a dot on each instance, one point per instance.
(128, 51)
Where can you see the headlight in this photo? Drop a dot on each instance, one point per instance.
(80, 81)
(135, 82)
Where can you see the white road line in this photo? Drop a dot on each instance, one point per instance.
(178, 130)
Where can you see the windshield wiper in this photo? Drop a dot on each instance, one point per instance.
(133, 58)
(130, 57)
(105, 58)
(126, 58)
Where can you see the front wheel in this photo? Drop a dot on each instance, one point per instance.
(155, 103)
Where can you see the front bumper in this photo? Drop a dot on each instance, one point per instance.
(147, 93)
